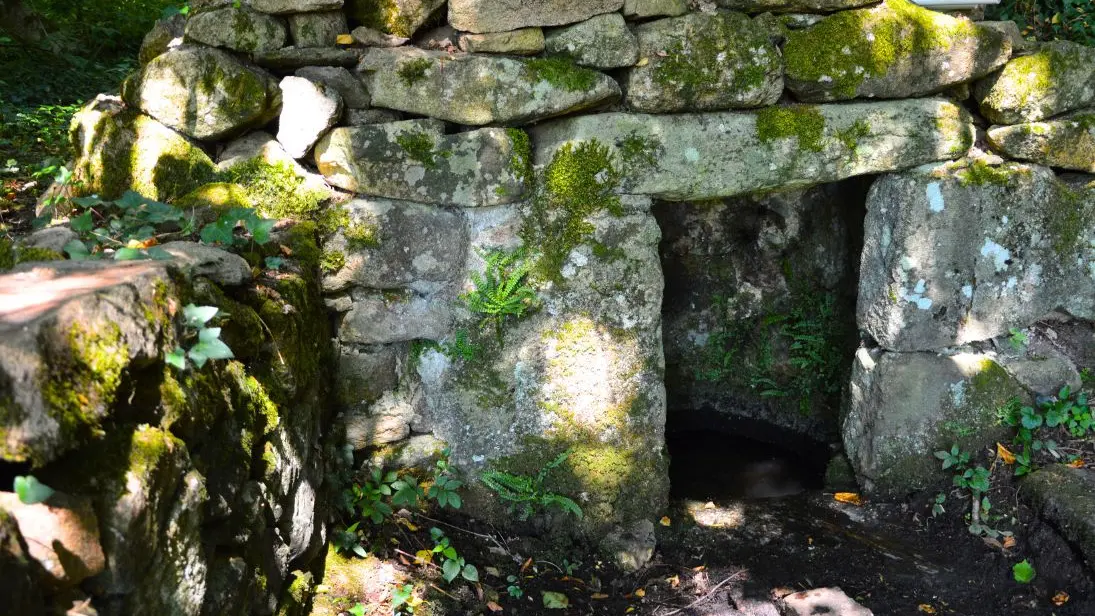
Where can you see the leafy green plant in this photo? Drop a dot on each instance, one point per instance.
(1023, 572)
(237, 227)
(407, 492)
(514, 588)
(349, 540)
(976, 479)
(1047, 20)
(31, 491)
(500, 291)
(1070, 411)
(205, 341)
(1017, 338)
(403, 599)
(367, 498)
(452, 564)
(126, 228)
(444, 486)
(526, 495)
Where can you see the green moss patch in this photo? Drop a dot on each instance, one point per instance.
(580, 181)
(562, 73)
(414, 71)
(420, 146)
(803, 122)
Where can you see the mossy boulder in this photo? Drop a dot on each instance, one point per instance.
(793, 6)
(203, 93)
(503, 15)
(1059, 77)
(601, 42)
(478, 89)
(641, 9)
(64, 359)
(397, 17)
(1063, 497)
(523, 42)
(165, 34)
(283, 7)
(894, 50)
(237, 28)
(1067, 141)
(288, 59)
(704, 62)
(1010, 243)
(689, 157)
(317, 29)
(118, 149)
(905, 406)
(413, 160)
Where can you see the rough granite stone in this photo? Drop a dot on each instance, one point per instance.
(1059, 77)
(1067, 141)
(704, 62)
(600, 42)
(375, 38)
(281, 7)
(394, 244)
(361, 117)
(900, 405)
(1063, 497)
(165, 34)
(503, 15)
(961, 252)
(396, 17)
(523, 42)
(413, 161)
(691, 157)
(203, 93)
(308, 111)
(641, 9)
(220, 266)
(22, 593)
(349, 86)
(366, 373)
(292, 58)
(238, 29)
(894, 50)
(792, 6)
(62, 534)
(479, 90)
(317, 29)
(387, 420)
(376, 319)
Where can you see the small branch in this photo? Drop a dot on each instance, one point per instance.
(707, 595)
(438, 589)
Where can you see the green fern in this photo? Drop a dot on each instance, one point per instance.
(526, 495)
(500, 290)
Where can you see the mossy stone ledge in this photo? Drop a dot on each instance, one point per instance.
(1058, 77)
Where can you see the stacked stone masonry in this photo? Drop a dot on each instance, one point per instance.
(548, 133)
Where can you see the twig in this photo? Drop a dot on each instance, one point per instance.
(707, 595)
(438, 589)
(490, 538)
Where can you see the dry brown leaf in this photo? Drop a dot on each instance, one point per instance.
(423, 557)
(700, 568)
(345, 39)
(598, 596)
(665, 521)
(285, 250)
(1005, 455)
(674, 581)
(494, 607)
(640, 593)
(1077, 463)
(528, 563)
(1009, 542)
(927, 609)
(1060, 598)
(850, 498)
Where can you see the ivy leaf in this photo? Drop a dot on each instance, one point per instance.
(128, 254)
(220, 232)
(450, 569)
(197, 357)
(212, 349)
(470, 573)
(260, 230)
(176, 358)
(1023, 572)
(77, 251)
(82, 223)
(555, 600)
(274, 262)
(31, 491)
(196, 316)
(130, 200)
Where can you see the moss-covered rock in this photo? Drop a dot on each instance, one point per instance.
(1067, 141)
(319, 29)
(689, 157)
(894, 50)
(793, 6)
(413, 160)
(203, 93)
(480, 89)
(601, 42)
(236, 28)
(522, 42)
(1063, 497)
(704, 62)
(397, 17)
(1055, 79)
(905, 406)
(118, 149)
(502, 15)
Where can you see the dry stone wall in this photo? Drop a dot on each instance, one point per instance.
(430, 147)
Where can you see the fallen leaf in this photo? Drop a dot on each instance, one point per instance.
(1009, 542)
(1005, 455)
(674, 581)
(555, 600)
(850, 498)
(345, 39)
(640, 593)
(494, 607)
(630, 608)
(700, 568)
(709, 505)
(492, 571)
(1060, 598)
(407, 523)
(809, 541)
(1077, 463)
(665, 521)
(423, 557)
(528, 563)
(927, 609)
(643, 62)
(598, 596)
